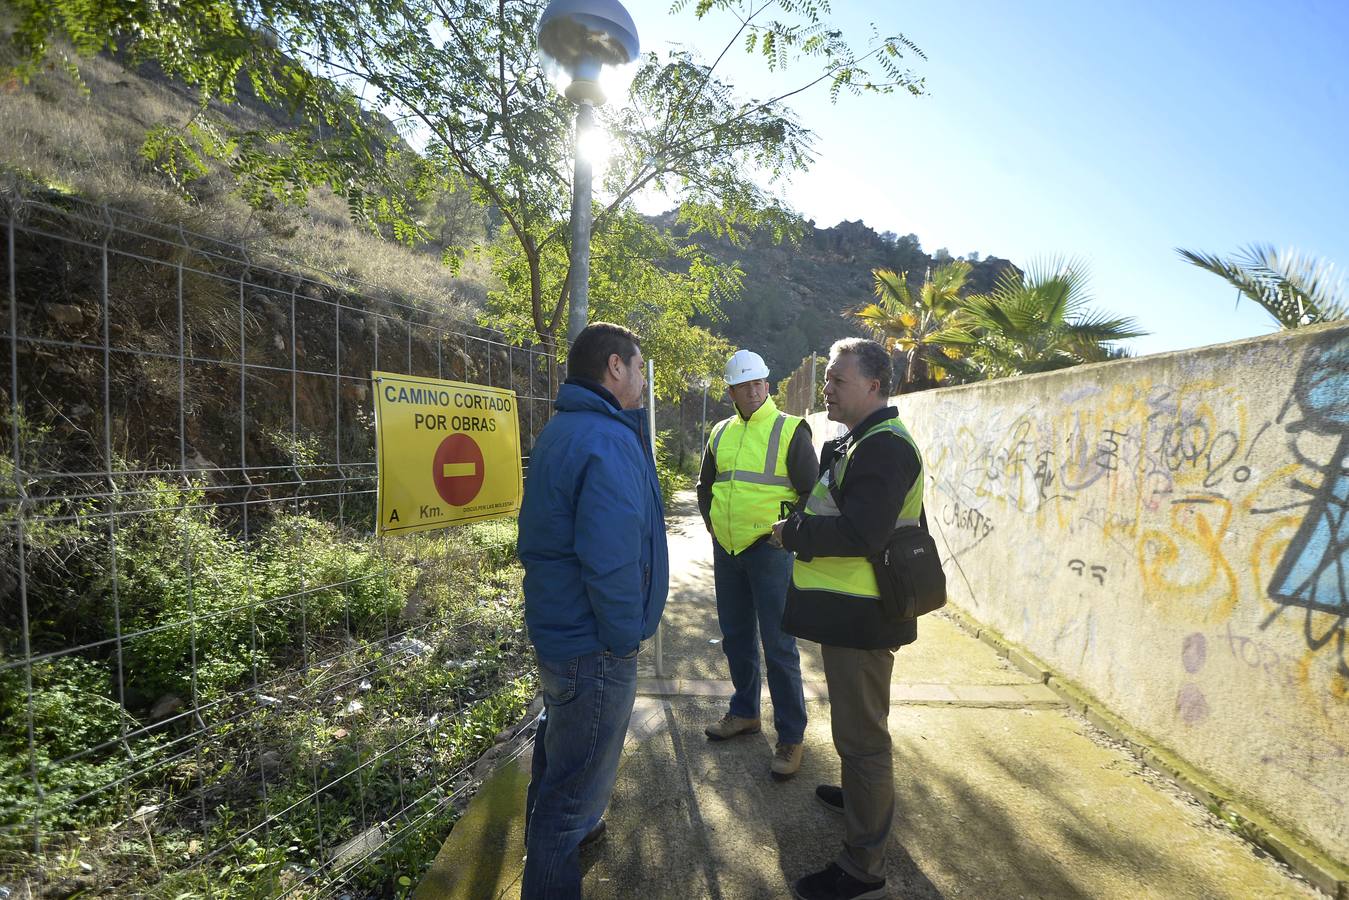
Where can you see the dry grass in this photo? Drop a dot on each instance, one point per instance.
(86, 140)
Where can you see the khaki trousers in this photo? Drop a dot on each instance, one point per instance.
(859, 702)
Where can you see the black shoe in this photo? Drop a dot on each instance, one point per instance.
(830, 796)
(835, 884)
(595, 836)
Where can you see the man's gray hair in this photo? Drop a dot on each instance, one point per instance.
(873, 360)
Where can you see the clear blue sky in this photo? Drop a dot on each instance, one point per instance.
(1110, 132)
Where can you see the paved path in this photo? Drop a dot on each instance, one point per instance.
(1001, 791)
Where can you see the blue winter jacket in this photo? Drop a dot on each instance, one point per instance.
(592, 531)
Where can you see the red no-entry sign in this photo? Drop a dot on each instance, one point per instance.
(458, 469)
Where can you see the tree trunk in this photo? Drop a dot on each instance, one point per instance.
(917, 374)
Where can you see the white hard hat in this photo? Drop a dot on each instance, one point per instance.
(745, 365)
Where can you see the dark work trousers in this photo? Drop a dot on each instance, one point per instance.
(751, 592)
(859, 707)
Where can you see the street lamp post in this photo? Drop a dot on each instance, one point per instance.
(578, 273)
(578, 39)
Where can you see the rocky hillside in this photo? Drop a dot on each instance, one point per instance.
(85, 139)
(797, 295)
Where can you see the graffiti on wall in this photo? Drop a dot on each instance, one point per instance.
(1314, 572)
(1079, 567)
(1213, 497)
(1205, 497)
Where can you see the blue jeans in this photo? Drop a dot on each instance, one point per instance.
(587, 702)
(751, 594)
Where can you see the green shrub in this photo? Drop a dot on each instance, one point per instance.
(327, 581)
(189, 590)
(672, 477)
(182, 589)
(73, 709)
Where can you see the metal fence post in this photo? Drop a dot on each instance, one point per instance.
(810, 399)
(651, 427)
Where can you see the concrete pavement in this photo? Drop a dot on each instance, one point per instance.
(1001, 790)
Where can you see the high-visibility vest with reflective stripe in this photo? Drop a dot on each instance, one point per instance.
(852, 576)
(752, 482)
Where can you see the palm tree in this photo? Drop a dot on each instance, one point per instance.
(1295, 289)
(1037, 321)
(925, 323)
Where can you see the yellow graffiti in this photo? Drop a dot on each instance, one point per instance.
(1193, 493)
(1268, 548)
(1326, 699)
(1196, 564)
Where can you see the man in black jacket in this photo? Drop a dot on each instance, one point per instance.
(871, 481)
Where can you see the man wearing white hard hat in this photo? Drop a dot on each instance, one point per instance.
(758, 466)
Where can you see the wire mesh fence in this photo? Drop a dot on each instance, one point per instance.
(215, 679)
(801, 393)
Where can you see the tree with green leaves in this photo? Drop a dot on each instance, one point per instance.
(925, 323)
(322, 134)
(683, 132)
(1037, 321)
(1295, 289)
(640, 276)
(461, 78)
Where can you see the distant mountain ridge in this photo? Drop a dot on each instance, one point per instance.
(796, 297)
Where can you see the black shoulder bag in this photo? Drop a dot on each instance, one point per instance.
(909, 572)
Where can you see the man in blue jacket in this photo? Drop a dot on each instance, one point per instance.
(592, 541)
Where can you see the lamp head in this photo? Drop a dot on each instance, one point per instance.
(579, 40)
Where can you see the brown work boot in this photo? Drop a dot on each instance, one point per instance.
(786, 760)
(731, 726)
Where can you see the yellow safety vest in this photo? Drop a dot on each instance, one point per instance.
(852, 576)
(751, 482)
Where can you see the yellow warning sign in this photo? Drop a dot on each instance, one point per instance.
(449, 452)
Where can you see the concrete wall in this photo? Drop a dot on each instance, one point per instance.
(1172, 533)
